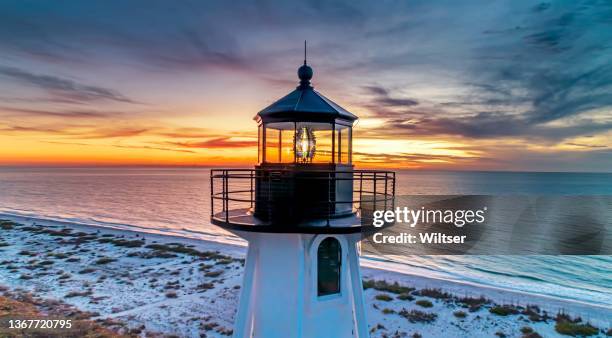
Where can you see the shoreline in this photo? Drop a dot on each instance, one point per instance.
(373, 270)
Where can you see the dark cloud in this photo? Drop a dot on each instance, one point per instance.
(62, 88)
(78, 114)
(383, 98)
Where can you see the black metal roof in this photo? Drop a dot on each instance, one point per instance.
(304, 104)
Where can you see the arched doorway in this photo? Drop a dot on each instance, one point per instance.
(329, 262)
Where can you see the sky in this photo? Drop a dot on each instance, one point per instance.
(451, 85)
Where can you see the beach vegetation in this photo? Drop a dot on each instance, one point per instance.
(225, 261)
(209, 326)
(533, 313)
(182, 249)
(574, 327)
(384, 297)
(206, 286)
(433, 293)
(87, 271)
(123, 242)
(504, 310)
(26, 307)
(104, 260)
(405, 296)
(382, 285)
(388, 311)
(378, 326)
(74, 294)
(213, 274)
(224, 331)
(459, 314)
(7, 225)
(424, 303)
(416, 316)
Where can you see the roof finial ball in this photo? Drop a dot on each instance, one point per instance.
(305, 72)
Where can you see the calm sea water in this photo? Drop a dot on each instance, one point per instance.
(177, 201)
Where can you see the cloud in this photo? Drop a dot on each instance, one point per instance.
(63, 88)
(221, 142)
(122, 146)
(382, 97)
(78, 114)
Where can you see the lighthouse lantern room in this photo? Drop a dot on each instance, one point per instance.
(300, 210)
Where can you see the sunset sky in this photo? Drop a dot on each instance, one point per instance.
(469, 85)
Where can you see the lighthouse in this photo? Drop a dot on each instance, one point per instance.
(300, 210)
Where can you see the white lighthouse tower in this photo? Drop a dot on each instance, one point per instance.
(299, 209)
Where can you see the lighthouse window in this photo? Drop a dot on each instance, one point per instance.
(328, 265)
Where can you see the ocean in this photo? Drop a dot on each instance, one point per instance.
(176, 201)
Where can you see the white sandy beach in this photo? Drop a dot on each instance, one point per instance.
(171, 285)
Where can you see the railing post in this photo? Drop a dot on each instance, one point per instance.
(374, 204)
(329, 187)
(251, 188)
(226, 188)
(212, 196)
(386, 178)
(360, 189)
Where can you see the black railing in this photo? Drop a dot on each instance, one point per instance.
(273, 194)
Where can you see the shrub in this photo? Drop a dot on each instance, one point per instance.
(123, 242)
(526, 329)
(382, 285)
(7, 225)
(225, 261)
(206, 286)
(405, 296)
(78, 294)
(171, 294)
(433, 293)
(532, 335)
(383, 297)
(104, 260)
(86, 271)
(500, 334)
(504, 310)
(416, 316)
(576, 329)
(213, 273)
(388, 311)
(460, 314)
(424, 303)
